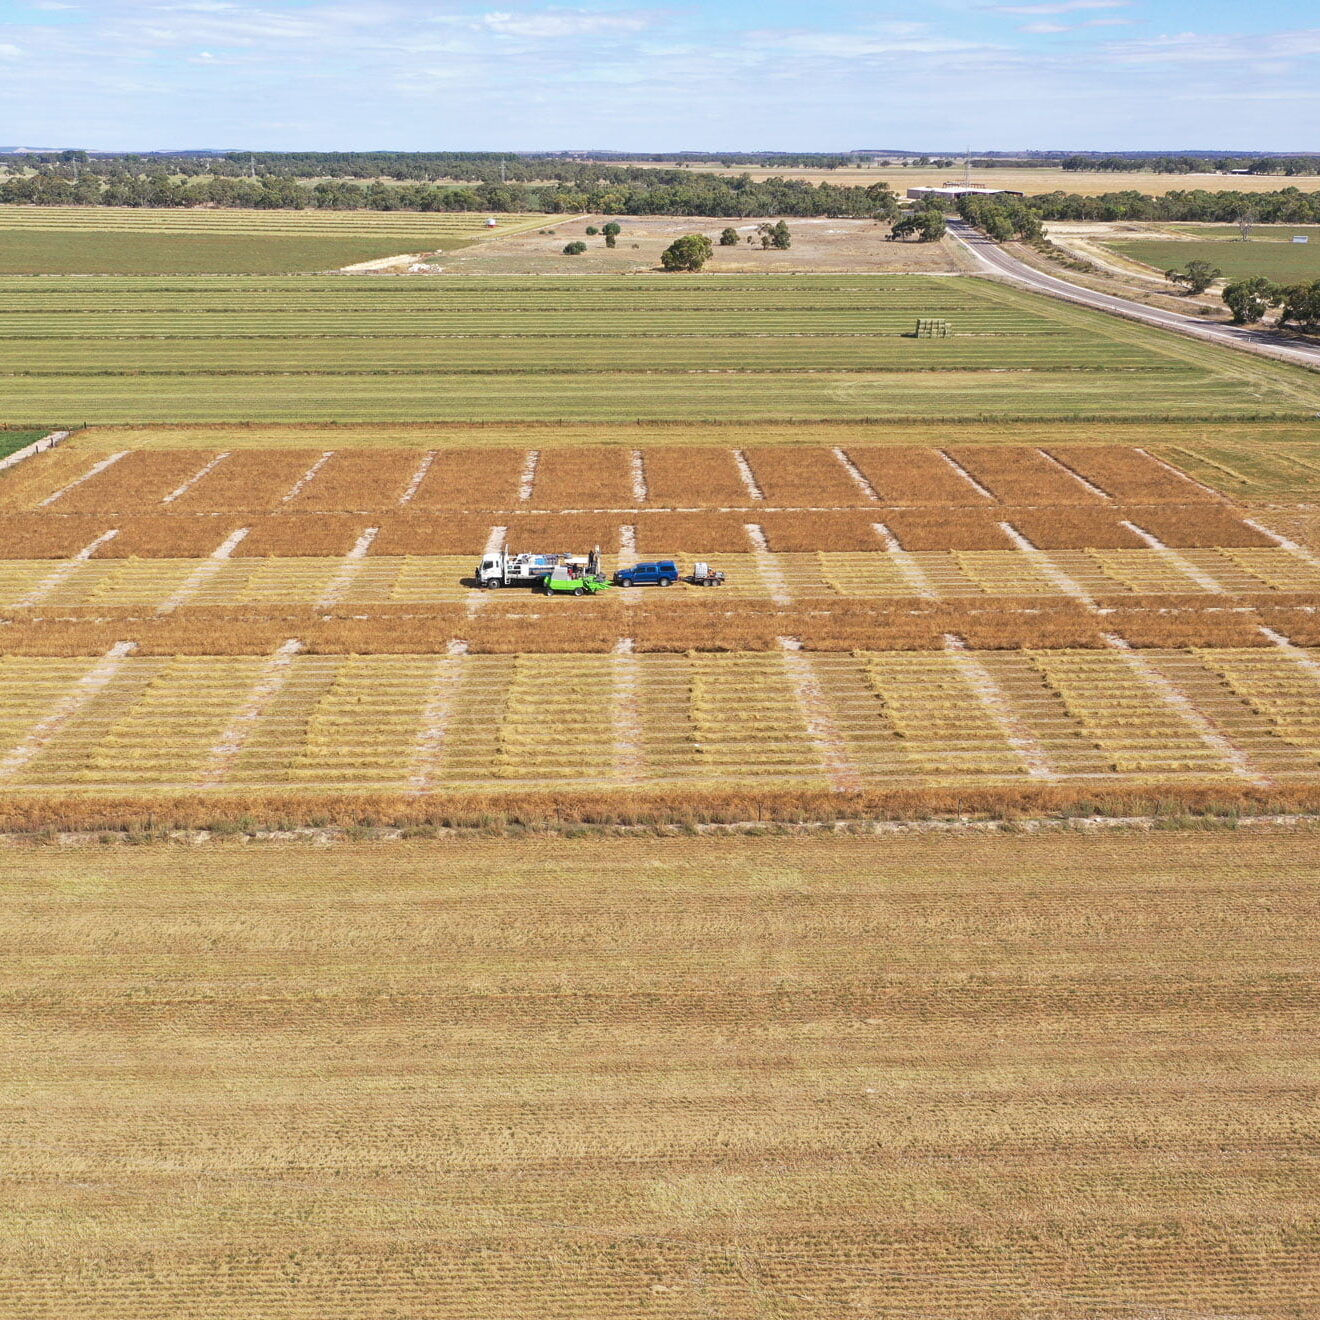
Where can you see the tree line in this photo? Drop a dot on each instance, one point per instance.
(653, 192)
(1288, 165)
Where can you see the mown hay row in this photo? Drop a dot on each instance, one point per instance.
(1128, 475)
(1018, 475)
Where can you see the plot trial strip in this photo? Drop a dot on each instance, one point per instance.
(414, 722)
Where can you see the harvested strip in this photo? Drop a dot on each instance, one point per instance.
(204, 573)
(629, 762)
(251, 481)
(470, 479)
(749, 482)
(681, 478)
(1199, 526)
(768, 566)
(1000, 709)
(431, 534)
(418, 477)
(307, 477)
(1074, 529)
(167, 536)
(1047, 567)
(911, 474)
(1294, 652)
(206, 471)
(856, 473)
(343, 580)
(912, 572)
(303, 535)
(822, 728)
(1131, 475)
(137, 484)
(78, 696)
(640, 490)
(955, 529)
(808, 532)
(527, 478)
(267, 688)
(1235, 758)
(1075, 475)
(95, 470)
(628, 540)
(696, 534)
(436, 716)
(356, 479)
(1284, 543)
(584, 477)
(1018, 475)
(801, 476)
(66, 570)
(1178, 474)
(966, 476)
(1180, 562)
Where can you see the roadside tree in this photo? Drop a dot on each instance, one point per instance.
(1250, 299)
(691, 252)
(1197, 278)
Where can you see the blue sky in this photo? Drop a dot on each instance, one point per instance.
(739, 74)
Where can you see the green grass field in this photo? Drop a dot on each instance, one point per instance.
(14, 440)
(599, 349)
(127, 241)
(1283, 262)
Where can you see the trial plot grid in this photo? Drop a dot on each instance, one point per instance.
(740, 718)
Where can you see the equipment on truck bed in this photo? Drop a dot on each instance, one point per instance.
(503, 569)
(705, 576)
(660, 572)
(569, 580)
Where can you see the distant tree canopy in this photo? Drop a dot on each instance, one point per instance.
(1289, 165)
(1002, 218)
(728, 237)
(1250, 299)
(926, 225)
(1301, 306)
(691, 252)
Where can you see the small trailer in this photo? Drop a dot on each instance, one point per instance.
(703, 575)
(503, 569)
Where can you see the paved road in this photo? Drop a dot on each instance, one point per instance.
(994, 260)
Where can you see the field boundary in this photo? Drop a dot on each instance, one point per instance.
(36, 447)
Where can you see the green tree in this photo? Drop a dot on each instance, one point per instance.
(780, 237)
(691, 252)
(927, 225)
(575, 248)
(729, 237)
(1197, 278)
(1301, 306)
(592, 230)
(612, 232)
(1250, 299)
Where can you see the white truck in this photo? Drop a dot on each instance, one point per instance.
(503, 569)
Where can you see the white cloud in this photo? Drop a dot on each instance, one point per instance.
(564, 23)
(9, 51)
(1043, 28)
(1059, 7)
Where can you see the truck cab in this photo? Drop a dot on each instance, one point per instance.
(657, 573)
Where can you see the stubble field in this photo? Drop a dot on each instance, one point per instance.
(1013, 1077)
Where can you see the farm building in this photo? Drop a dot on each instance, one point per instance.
(952, 191)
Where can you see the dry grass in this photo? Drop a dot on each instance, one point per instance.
(1206, 525)
(475, 1079)
(906, 474)
(43, 536)
(135, 484)
(170, 536)
(684, 476)
(462, 479)
(303, 535)
(1129, 476)
(432, 534)
(1074, 529)
(583, 479)
(355, 481)
(250, 481)
(841, 531)
(807, 477)
(946, 529)
(1022, 476)
(696, 534)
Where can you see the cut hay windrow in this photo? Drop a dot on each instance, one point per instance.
(197, 580)
(1048, 567)
(58, 577)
